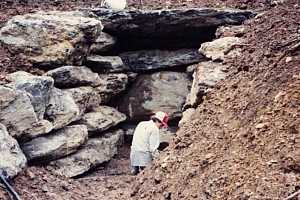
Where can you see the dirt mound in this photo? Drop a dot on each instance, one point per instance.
(244, 141)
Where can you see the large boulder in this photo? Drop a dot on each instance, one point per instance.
(51, 38)
(38, 87)
(106, 64)
(168, 26)
(95, 152)
(165, 91)
(73, 76)
(104, 43)
(12, 158)
(102, 118)
(17, 114)
(62, 109)
(221, 48)
(206, 76)
(56, 145)
(145, 60)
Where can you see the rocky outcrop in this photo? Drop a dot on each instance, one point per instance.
(231, 31)
(186, 116)
(145, 60)
(103, 44)
(206, 76)
(38, 87)
(56, 145)
(95, 152)
(73, 76)
(51, 38)
(62, 109)
(165, 91)
(102, 118)
(220, 48)
(12, 158)
(106, 64)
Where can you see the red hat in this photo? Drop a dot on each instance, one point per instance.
(163, 117)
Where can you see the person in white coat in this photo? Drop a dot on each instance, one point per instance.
(146, 141)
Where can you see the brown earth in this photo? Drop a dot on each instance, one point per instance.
(243, 143)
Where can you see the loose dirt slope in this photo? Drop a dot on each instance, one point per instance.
(244, 141)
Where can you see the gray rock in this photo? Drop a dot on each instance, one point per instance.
(56, 145)
(145, 60)
(231, 31)
(95, 152)
(12, 158)
(186, 116)
(106, 64)
(38, 87)
(51, 38)
(73, 76)
(102, 118)
(62, 109)
(165, 91)
(219, 48)
(104, 43)
(206, 76)
(7, 95)
(190, 69)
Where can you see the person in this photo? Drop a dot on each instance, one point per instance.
(146, 141)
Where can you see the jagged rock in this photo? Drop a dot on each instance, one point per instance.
(165, 91)
(73, 76)
(231, 31)
(197, 24)
(190, 69)
(102, 118)
(206, 76)
(219, 48)
(62, 109)
(103, 43)
(106, 64)
(12, 158)
(110, 86)
(56, 145)
(95, 152)
(186, 116)
(39, 88)
(51, 38)
(145, 60)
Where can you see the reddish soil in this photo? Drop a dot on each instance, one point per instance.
(243, 143)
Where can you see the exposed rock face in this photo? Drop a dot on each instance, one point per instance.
(165, 91)
(102, 118)
(103, 43)
(186, 116)
(206, 76)
(106, 64)
(51, 38)
(12, 158)
(56, 145)
(73, 76)
(145, 60)
(95, 152)
(38, 87)
(219, 48)
(175, 23)
(62, 109)
(231, 31)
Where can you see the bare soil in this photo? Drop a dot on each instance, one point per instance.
(243, 143)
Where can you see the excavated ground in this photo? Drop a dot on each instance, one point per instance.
(243, 143)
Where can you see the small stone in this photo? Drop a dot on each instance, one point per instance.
(288, 59)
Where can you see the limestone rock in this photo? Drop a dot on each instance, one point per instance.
(38, 87)
(12, 158)
(73, 76)
(219, 48)
(103, 43)
(56, 145)
(186, 116)
(51, 38)
(206, 76)
(106, 64)
(165, 91)
(145, 60)
(231, 31)
(95, 152)
(62, 109)
(102, 118)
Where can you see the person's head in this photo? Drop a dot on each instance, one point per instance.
(160, 119)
